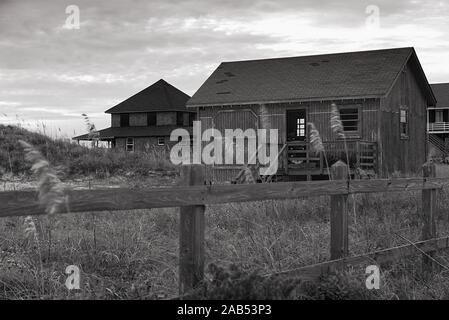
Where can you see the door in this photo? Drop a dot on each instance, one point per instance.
(296, 125)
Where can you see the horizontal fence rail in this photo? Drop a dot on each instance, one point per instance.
(21, 203)
(314, 271)
(192, 195)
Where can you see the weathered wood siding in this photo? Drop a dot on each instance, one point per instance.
(403, 155)
(273, 116)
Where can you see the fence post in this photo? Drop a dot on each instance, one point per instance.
(429, 208)
(191, 234)
(339, 215)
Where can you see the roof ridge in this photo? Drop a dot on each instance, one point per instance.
(159, 95)
(320, 55)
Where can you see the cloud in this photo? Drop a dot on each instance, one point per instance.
(51, 73)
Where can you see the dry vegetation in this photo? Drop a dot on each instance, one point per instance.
(72, 160)
(134, 254)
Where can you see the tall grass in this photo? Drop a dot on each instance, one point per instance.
(73, 159)
(92, 131)
(134, 254)
(317, 145)
(338, 129)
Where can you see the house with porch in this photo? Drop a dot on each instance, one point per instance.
(382, 98)
(146, 119)
(438, 121)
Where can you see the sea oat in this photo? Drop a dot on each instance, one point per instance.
(264, 117)
(51, 193)
(315, 140)
(92, 132)
(30, 228)
(248, 175)
(336, 124)
(317, 144)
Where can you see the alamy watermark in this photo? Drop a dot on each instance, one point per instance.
(372, 21)
(73, 280)
(235, 147)
(73, 19)
(373, 280)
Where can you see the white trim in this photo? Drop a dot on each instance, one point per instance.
(132, 144)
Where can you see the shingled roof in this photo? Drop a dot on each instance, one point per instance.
(160, 96)
(121, 132)
(441, 91)
(342, 75)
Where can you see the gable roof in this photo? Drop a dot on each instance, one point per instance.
(160, 96)
(441, 91)
(361, 74)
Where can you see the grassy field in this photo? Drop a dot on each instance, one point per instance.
(134, 254)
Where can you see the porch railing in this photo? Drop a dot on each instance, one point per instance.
(438, 127)
(301, 159)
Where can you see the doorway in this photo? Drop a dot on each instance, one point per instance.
(296, 125)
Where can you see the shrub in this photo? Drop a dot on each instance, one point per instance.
(336, 286)
(236, 284)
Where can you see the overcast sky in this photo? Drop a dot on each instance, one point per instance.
(51, 72)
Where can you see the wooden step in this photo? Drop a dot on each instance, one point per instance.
(367, 164)
(296, 151)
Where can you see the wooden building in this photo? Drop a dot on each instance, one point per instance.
(438, 121)
(382, 97)
(146, 119)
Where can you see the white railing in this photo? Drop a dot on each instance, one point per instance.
(438, 127)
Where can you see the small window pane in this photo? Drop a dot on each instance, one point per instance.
(191, 119)
(403, 125)
(350, 119)
(152, 118)
(179, 118)
(124, 120)
(129, 144)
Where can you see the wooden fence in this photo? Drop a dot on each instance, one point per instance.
(192, 195)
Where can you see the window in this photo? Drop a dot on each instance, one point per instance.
(439, 116)
(350, 119)
(124, 120)
(404, 123)
(160, 141)
(431, 116)
(191, 119)
(300, 127)
(179, 118)
(151, 118)
(130, 144)
(185, 119)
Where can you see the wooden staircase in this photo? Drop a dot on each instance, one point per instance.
(301, 161)
(438, 144)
